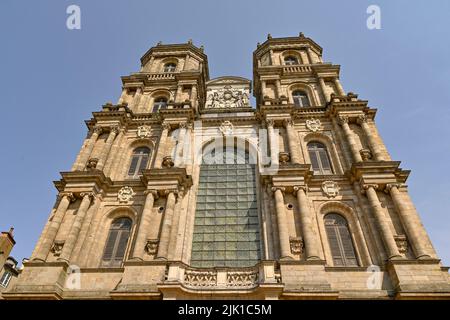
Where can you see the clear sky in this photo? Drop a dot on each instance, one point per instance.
(52, 79)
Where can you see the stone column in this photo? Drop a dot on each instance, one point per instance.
(136, 99)
(309, 53)
(343, 121)
(309, 235)
(178, 93)
(374, 146)
(80, 164)
(415, 231)
(142, 233)
(179, 150)
(193, 96)
(292, 141)
(71, 240)
(49, 237)
(339, 88)
(186, 60)
(380, 217)
(283, 231)
(278, 86)
(107, 148)
(164, 238)
(263, 89)
(323, 87)
(122, 96)
(274, 150)
(114, 154)
(162, 145)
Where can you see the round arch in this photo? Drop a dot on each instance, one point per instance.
(329, 144)
(302, 86)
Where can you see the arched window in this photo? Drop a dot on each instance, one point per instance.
(290, 60)
(320, 160)
(116, 244)
(300, 98)
(340, 240)
(226, 227)
(170, 67)
(139, 161)
(159, 103)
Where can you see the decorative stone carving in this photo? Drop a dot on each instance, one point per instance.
(143, 132)
(366, 154)
(297, 245)
(227, 93)
(125, 194)
(330, 188)
(226, 128)
(167, 162)
(193, 278)
(313, 125)
(343, 120)
(402, 243)
(151, 247)
(57, 248)
(242, 278)
(283, 158)
(92, 164)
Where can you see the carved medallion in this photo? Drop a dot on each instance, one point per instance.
(402, 243)
(151, 246)
(313, 125)
(143, 132)
(57, 248)
(125, 194)
(226, 128)
(296, 245)
(330, 188)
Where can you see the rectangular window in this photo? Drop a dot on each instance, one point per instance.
(4, 281)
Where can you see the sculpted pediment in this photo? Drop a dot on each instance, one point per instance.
(228, 93)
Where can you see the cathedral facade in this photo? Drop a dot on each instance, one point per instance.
(183, 190)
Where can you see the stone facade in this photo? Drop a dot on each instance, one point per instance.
(138, 175)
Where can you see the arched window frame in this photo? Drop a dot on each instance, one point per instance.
(117, 242)
(317, 157)
(301, 98)
(170, 67)
(344, 241)
(138, 161)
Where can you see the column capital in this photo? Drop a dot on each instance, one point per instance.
(90, 195)
(298, 188)
(182, 125)
(115, 129)
(288, 123)
(274, 189)
(166, 126)
(362, 118)
(69, 195)
(389, 186)
(97, 129)
(367, 186)
(169, 191)
(152, 192)
(270, 122)
(343, 120)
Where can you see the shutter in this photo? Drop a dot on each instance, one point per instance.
(133, 165)
(347, 246)
(314, 160)
(334, 245)
(305, 101)
(122, 245)
(324, 161)
(110, 243)
(143, 163)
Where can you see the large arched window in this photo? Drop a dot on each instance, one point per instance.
(320, 160)
(116, 244)
(340, 240)
(290, 60)
(226, 228)
(300, 98)
(139, 161)
(170, 67)
(159, 103)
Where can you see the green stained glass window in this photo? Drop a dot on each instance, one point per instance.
(226, 227)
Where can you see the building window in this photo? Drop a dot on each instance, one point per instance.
(159, 103)
(340, 240)
(116, 244)
(300, 98)
(290, 60)
(139, 161)
(6, 277)
(226, 227)
(320, 160)
(170, 67)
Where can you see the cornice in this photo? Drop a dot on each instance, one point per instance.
(286, 41)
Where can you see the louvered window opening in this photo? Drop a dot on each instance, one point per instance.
(340, 241)
(160, 103)
(226, 229)
(116, 244)
(139, 161)
(320, 160)
(300, 99)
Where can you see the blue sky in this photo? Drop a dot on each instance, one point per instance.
(52, 79)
